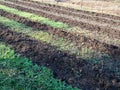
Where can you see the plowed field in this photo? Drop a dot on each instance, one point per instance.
(80, 47)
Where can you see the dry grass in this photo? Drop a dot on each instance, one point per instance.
(111, 7)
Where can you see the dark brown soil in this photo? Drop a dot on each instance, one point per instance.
(74, 71)
(77, 39)
(68, 12)
(109, 31)
(79, 11)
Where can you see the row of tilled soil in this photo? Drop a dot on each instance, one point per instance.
(79, 11)
(91, 86)
(52, 11)
(74, 71)
(78, 15)
(89, 26)
(77, 39)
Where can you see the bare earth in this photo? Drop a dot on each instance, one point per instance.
(111, 7)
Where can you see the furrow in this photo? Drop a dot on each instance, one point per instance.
(107, 30)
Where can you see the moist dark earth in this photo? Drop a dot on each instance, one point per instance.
(66, 67)
(77, 39)
(113, 32)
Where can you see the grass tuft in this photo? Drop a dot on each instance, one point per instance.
(59, 42)
(34, 17)
(18, 73)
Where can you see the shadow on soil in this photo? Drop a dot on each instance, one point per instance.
(74, 71)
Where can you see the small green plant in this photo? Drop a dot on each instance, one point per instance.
(34, 17)
(18, 73)
(60, 43)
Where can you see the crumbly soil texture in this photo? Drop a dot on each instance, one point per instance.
(104, 27)
(76, 39)
(110, 31)
(75, 71)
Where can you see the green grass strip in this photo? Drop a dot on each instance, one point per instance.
(40, 35)
(18, 73)
(86, 33)
(34, 17)
(61, 43)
